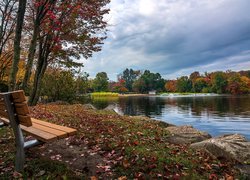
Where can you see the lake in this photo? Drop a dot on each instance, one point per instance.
(216, 115)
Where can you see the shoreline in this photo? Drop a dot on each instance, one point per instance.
(115, 110)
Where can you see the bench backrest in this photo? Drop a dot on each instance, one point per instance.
(15, 101)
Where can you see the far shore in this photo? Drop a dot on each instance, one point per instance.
(173, 94)
(128, 95)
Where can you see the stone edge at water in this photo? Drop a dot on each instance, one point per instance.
(186, 135)
(232, 147)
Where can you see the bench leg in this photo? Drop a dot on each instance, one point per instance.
(20, 156)
(31, 143)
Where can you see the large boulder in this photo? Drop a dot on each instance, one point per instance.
(186, 135)
(231, 147)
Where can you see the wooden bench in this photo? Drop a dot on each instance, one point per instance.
(14, 111)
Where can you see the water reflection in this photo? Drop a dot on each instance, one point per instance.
(216, 114)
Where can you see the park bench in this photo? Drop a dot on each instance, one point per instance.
(14, 111)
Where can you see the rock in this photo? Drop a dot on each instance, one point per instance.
(186, 135)
(115, 108)
(231, 147)
(244, 170)
(89, 106)
(163, 124)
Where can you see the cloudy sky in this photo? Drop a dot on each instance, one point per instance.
(175, 37)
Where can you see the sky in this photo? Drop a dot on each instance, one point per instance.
(174, 37)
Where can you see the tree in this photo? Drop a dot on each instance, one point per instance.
(129, 76)
(170, 86)
(219, 82)
(139, 86)
(59, 84)
(74, 29)
(7, 23)
(149, 81)
(119, 86)
(38, 13)
(5, 65)
(199, 85)
(82, 83)
(183, 84)
(238, 84)
(100, 82)
(17, 41)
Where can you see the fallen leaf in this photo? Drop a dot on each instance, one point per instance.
(41, 173)
(122, 178)
(125, 163)
(93, 178)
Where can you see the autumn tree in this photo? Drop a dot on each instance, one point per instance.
(73, 29)
(119, 86)
(238, 84)
(8, 12)
(38, 13)
(170, 86)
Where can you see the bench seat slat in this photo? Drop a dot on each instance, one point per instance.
(69, 131)
(45, 133)
(39, 134)
(36, 133)
(58, 133)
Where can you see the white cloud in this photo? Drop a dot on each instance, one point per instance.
(174, 36)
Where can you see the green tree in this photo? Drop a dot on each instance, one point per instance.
(199, 84)
(219, 82)
(82, 83)
(184, 84)
(59, 84)
(149, 81)
(100, 82)
(129, 75)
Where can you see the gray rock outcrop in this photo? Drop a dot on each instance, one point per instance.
(231, 147)
(186, 135)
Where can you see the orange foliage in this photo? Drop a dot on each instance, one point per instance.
(170, 86)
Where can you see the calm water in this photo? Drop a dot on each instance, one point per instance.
(216, 114)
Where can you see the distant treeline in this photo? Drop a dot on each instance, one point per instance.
(66, 85)
(229, 82)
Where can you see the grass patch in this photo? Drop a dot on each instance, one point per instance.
(103, 94)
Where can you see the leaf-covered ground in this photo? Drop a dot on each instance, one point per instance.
(108, 146)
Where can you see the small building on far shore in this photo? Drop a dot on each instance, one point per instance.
(153, 92)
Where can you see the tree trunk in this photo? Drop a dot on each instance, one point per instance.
(40, 70)
(17, 41)
(32, 50)
(44, 51)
